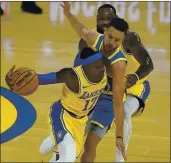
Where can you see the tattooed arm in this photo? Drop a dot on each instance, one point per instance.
(134, 45)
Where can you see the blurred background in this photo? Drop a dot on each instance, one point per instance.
(46, 42)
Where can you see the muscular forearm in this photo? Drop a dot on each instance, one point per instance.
(144, 70)
(119, 119)
(118, 112)
(146, 64)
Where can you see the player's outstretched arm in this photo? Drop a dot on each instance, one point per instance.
(118, 74)
(88, 35)
(65, 75)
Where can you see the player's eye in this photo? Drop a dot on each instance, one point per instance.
(117, 40)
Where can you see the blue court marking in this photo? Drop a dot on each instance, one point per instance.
(26, 115)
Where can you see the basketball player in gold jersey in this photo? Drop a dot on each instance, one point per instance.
(110, 46)
(82, 88)
(138, 88)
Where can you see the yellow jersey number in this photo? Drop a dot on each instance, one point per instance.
(90, 103)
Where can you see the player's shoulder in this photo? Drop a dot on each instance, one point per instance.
(98, 42)
(95, 31)
(69, 72)
(82, 44)
(131, 41)
(73, 72)
(118, 55)
(131, 37)
(73, 79)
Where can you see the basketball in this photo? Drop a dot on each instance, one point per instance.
(26, 81)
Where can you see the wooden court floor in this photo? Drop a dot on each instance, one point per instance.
(33, 42)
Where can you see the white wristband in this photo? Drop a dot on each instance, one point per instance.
(137, 76)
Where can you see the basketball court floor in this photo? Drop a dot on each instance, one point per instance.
(32, 41)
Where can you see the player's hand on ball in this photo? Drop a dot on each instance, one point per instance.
(121, 147)
(131, 80)
(8, 78)
(23, 81)
(66, 6)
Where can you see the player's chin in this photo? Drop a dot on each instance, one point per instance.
(110, 49)
(114, 48)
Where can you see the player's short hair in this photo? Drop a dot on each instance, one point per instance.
(87, 52)
(119, 24)
(108, 6)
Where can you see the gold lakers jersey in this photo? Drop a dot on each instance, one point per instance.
(81, 103)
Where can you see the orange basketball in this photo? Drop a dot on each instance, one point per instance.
(25, 80)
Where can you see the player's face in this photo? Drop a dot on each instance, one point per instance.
(97, 69)
(112, 39)
(104, 17)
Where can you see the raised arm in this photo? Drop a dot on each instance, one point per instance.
(88, 35)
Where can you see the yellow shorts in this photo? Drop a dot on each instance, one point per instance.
(63, 122)
(141, 91)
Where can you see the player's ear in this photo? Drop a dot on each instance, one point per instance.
(123, 38)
